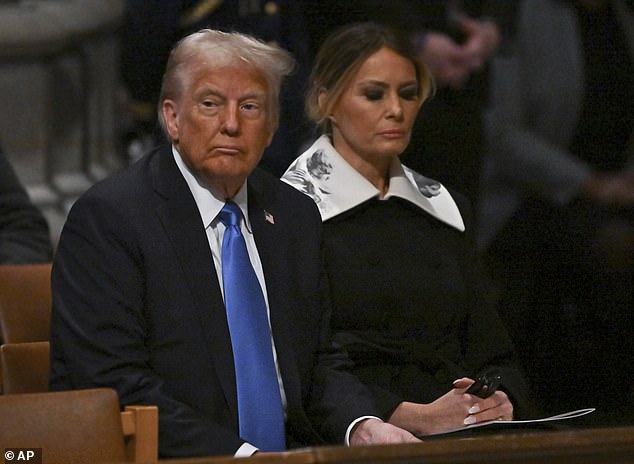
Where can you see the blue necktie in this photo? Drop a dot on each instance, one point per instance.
(260, 414)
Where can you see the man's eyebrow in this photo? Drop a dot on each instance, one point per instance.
(254, 94)
(208, 90)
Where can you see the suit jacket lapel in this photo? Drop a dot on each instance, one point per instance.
(183, 226)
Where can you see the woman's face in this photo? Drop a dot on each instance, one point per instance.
(374, 116)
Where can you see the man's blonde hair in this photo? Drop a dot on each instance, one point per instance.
(221, 49)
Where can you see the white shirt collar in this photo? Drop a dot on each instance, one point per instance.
(336, 187)
(208, 205)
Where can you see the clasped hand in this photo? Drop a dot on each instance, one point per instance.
(451, 411)
(451, 63)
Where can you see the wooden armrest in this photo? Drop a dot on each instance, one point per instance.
(140, 428)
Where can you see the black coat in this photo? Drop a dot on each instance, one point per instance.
(412, 305)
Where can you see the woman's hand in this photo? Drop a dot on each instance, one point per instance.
(451, 411)
(495, 407)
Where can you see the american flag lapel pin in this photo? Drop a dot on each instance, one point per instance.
(268, 217)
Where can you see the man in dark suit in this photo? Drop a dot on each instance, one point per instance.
(138, 277)
(24, 232)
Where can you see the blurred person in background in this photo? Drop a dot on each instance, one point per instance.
(24, 232)
(557, 212)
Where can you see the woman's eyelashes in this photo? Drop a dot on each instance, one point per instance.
(406, 93)
(374, 94)
(409, 93)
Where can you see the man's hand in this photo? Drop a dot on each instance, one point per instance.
(612, 190)
(377, 432)
(449, 63)
(483, 39)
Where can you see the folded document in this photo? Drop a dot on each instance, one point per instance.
(512, 424)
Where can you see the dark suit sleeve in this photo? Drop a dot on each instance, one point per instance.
(102, 330)
(338, 398)
(24, 233)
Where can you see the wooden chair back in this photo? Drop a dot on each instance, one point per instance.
(24, 367)
(79, 426)
(25, 302)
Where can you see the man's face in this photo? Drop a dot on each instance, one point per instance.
(220, 125)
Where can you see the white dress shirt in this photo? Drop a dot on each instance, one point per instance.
(209, 207)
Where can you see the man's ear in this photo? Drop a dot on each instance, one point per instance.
(169, 110)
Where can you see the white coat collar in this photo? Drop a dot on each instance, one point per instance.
(321, 173)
